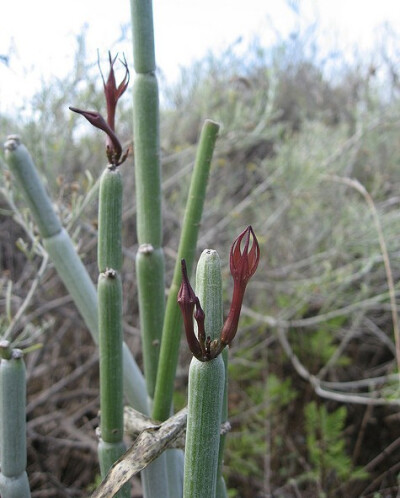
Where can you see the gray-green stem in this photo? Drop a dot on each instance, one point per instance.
(206, 390)
(109, 294)
(222, 491)
(208, 273)
(187, 246)
(150, 258)
(110, 344)
(13, 477)
(111, 445)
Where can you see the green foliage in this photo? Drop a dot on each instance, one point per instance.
(322, 346)
(95, 484)
(327, 447)
(317, 348)
(256, 419)
(280, 393)
(240, 446)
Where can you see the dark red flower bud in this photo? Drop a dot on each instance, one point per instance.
(199, 316)
(187, 301)
(113, 92)
(243, 264)
(97, 120)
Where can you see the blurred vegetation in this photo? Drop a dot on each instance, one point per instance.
(314, 399)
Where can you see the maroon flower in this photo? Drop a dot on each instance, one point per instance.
(112, 91)
(112, 94)
(187, 301)
(199, 316)
(97, 120)
(243, 264)
(200, 346)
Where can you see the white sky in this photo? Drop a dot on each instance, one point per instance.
(40, 35)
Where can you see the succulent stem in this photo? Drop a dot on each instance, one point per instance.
(69, 266)
(109, 294)
(13, 459)
(150, 257)
(206, 390)
(21, 164)
(187, 246)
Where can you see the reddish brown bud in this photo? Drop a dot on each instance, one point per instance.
(243, 264)
(113, 92)
(187, 301)
(97, 120)
(199, 316)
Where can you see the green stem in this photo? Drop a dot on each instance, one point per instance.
(110, 344)
(21, 164)
(209, 269)
(222, 492)
(109, 293)
(143, 36)
(187, 246)
(75, 277)
(109, 245)
(147, 159)
(150, 258)
(149, 271)
(209, 291)
(13, 477)
(111, 445)
(206, 389)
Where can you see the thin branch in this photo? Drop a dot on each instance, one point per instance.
(341, 347)
(28, 298)
(355, 184)
(317, 319)
(323, 389)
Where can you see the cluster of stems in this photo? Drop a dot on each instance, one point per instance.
(160, 322)
(109, 287)
(171, 334)
(66, 260)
